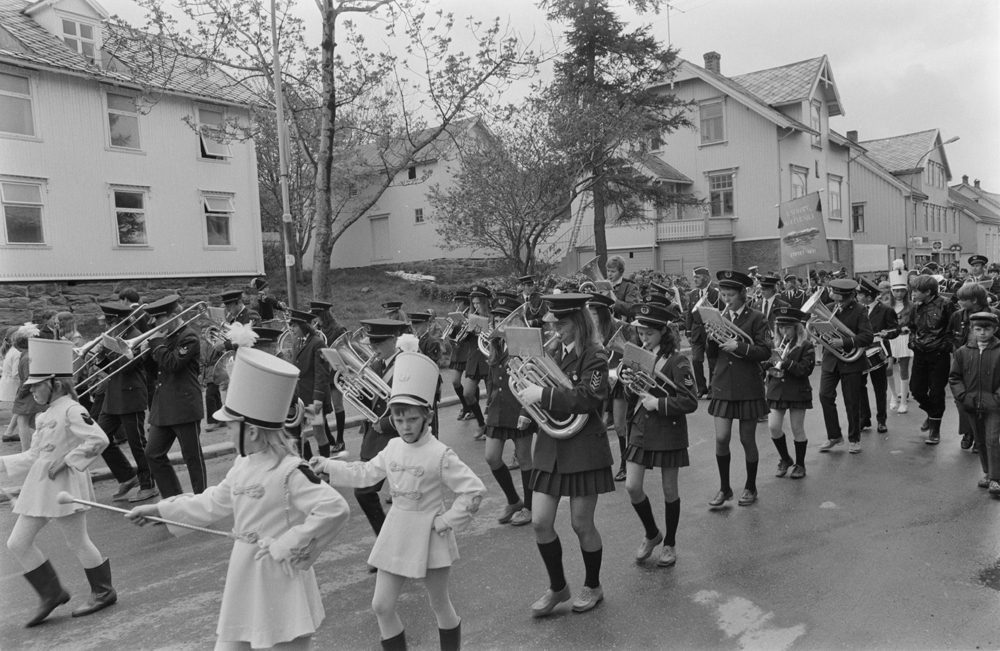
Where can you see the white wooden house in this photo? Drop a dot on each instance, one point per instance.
(979, 220)
(103, 174)
(760, 139)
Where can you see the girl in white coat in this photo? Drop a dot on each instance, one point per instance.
(418, 538)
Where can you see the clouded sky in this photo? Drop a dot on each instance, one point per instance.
(900, 65)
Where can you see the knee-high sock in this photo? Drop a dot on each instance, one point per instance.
(341, 423)
(751, 476)
(723, 463)
(673, 511)
(324, 450)
(461, 397)
(502, 475)
(526, 487)
(592, 564)
(800, 452)
(782, 445)
(552, 557)
(904, 389)
(477, 411)
(645, 513)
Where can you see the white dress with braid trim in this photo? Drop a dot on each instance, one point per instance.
(417, 474)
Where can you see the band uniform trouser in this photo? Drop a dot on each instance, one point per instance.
(698, 354)
(213, 402)
(851, 388)
(158, 444)
(132, 425)
(880, 385)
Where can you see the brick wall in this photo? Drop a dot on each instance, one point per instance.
(20, 303)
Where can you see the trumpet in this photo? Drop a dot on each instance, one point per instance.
(821, 323)
(361, 386)
(515, 318)
(782, 353)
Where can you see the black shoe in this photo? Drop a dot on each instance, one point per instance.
(46, 583)
(967, 441)
(620, 476)
(337, 447)
(925, 426)
(882, 429)
(462, 414)
(866, 424)
(102, 593)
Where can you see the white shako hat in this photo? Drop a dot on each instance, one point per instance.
(897, 275)
(261, 388)
(49, 358)
(414, 380)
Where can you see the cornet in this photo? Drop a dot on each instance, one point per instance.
(825, 327)
(515, 318)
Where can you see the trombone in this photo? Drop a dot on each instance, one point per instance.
(80, 355)
(825, 327)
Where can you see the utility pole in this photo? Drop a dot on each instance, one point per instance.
(288, 230)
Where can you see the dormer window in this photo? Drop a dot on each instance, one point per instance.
(80, 37)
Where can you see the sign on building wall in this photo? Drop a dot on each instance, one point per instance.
(802, 231)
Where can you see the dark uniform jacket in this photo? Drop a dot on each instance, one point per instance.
(666, 428)
(314, 373)
(776, 302)
(737, 375)
(794, 385)
(587, 369)
(126, 389)
(928, 325)
(177, 396)
(795, 298)
(975, 376)
(883, 319)
(535, 310)
(244, 316)
(374, 441)
(855, 318)
(626, 295)
(695, 327)
(266, 307)
(503, 408)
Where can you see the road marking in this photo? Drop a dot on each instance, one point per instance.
(829, 505)
(740, 617)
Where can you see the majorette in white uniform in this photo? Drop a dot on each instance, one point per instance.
(898, 280)
(282, 507)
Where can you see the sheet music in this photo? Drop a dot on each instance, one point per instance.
(640, 359)
(524, 342)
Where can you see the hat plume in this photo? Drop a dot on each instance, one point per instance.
(241, 334)
(408, 343)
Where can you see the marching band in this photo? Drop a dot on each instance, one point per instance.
(561, 370)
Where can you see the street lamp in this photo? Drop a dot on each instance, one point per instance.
(288, 231)
(906, 221)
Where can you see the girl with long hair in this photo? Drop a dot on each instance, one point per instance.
(788, 388)
(600, 307)
(899, 388)
(477, 369)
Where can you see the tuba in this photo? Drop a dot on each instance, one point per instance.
(824, 327)
(597, 284)
(515, 318)
(720, 329)
(361, 386)
(530, 365)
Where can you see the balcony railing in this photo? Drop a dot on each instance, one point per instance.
(693, 229)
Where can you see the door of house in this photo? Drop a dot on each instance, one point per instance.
(381, 249)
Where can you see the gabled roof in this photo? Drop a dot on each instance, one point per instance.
(990, 197)
(844, 141)
(870, 164)
(132, 48)
(979, 212)
(738, 92)
(36, 6)
(905, 154)
(792, 83)
(663, 170)
(397, 150)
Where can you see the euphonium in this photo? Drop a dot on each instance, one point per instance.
(355, 379)
(543, 372)
(822, 314)
(638, 381)
(725, 330)
(515, 318)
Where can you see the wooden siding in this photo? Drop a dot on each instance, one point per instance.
(681, 257)
(74, 158)
(885, 208)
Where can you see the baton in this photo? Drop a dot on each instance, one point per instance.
(65, 498)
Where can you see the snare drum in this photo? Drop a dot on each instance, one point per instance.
(875, 358)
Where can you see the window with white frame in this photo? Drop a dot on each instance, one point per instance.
(834, 185)
(130, 217)
(800, 182)
(15, 105)
(720, 191)
(418, 216)
(80, 37)
(123, 121)
(858, 218)
(22, 212)
(211, 133)
(218, 219)
(711, 117)
(816, 122)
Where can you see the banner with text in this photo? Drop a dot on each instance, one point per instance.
(802, 231)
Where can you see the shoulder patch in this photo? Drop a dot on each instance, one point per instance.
(86, 418)
(596, 380)
(310, 475)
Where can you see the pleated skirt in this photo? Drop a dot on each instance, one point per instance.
(575, 484)
(508, 433)
(738, 409)
(790, 404)
(900, 347)
(657, 458)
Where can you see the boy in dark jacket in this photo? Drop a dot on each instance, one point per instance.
(975, 383)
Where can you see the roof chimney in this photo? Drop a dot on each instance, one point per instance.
(713, 61)
(977, 184)
(852, 136)
(965, 179)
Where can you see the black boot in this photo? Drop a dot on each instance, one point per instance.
(451, 638)
(934, 431)
(397, 643)
(102, 593)
(45, 582)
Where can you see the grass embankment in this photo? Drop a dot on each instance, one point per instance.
(359, 293)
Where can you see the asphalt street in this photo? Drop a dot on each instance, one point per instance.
(894, 548)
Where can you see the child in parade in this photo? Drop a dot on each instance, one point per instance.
(789, 390)
(460, 353)
(737, 391)
(972, 298)
(284, 517)
(659, 435)
(476, 367)
(66, 443)
(503, 424)
(931, 342)
(25, 409)
(975, 383)
(902, 355)
(578, 467)
(600, 307)
(417, 540)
